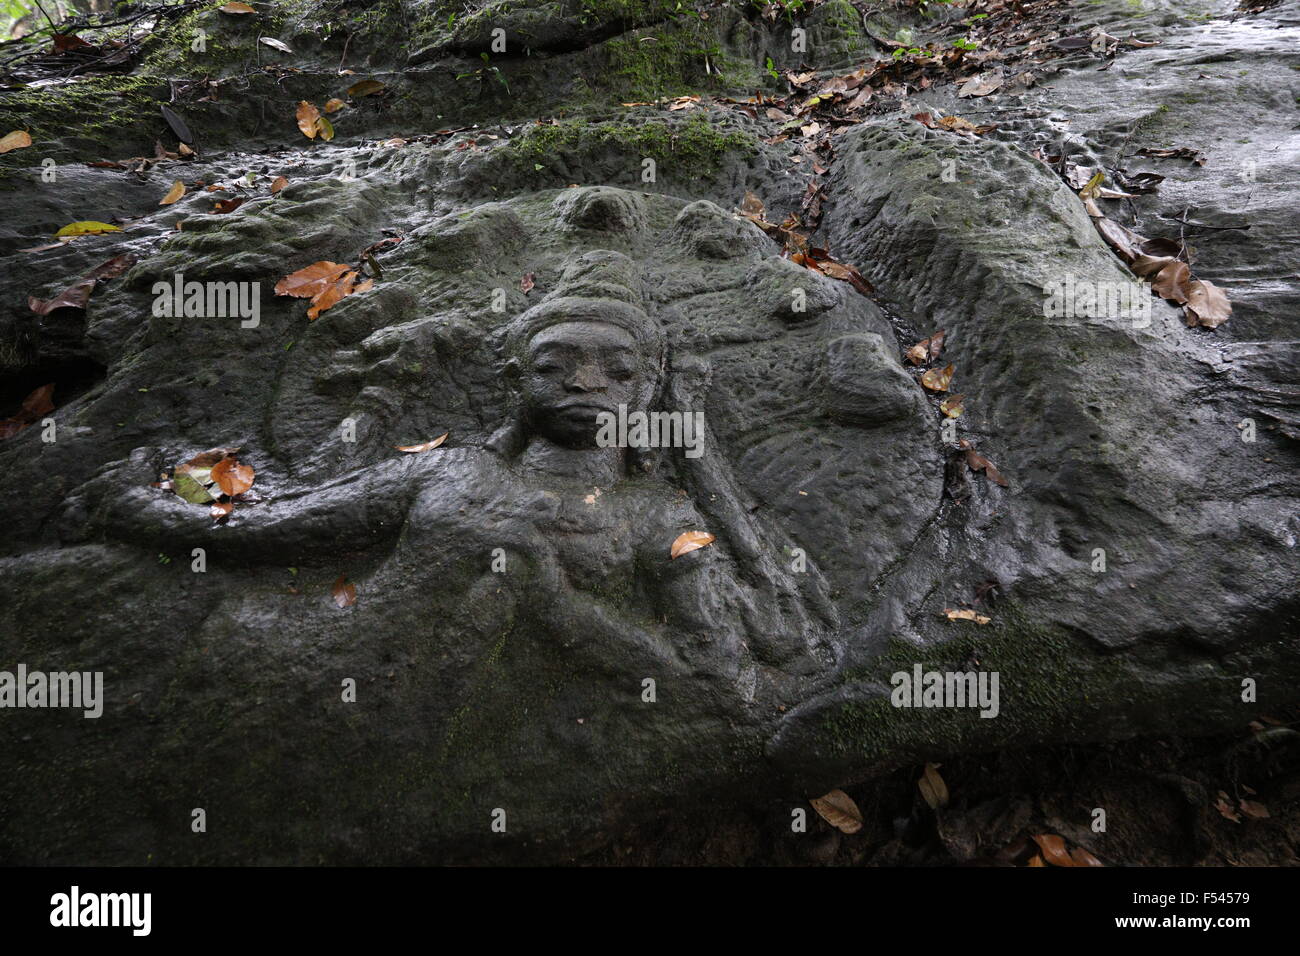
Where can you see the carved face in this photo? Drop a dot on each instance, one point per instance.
(575, 370)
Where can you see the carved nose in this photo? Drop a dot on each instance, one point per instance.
(587, 378)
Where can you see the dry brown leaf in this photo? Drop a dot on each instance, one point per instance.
(1171, 282)
(364, 88)
(345, 592)
(39, 402)
(232, 477)
(965, 614)
(938, 380)
(838, 809)
(77, 295)
(18, 139)
(978, 86)
(952, 406)
(307, 116)
(926, 350)
(1036, 861)
(1082, 857)
(332, 295)
(221, 509)
(223, 206)
(236, 8)
(324, 128)
(1254, 809)
(311, 280)
(1145, 265)
(334, 105)
(527, 282)
(1053, 847)
(277, 184)
(689, 541)
(933, 790)
(426, 446)
(1207, 305)
(173, 194)
(977, 462)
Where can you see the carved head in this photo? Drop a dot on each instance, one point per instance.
(582, 352)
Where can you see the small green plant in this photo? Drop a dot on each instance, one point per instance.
(771, 69)
(486, 70)
(966, 44)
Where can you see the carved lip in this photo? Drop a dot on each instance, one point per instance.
(584, 409)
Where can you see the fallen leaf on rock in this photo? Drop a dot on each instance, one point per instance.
(18, 139)
(63, 42)
(86, 227)
(1226, 809)
(221, 510)
(335, 293)
(938, 380)
(236, 8)
(334, 105)
(173, 194)
(977, 462)
(275, 44)
(223, 206)
(77, 295)
(689, 541)
(1036, 861)
(1180, 152)
(1081, 857)
(1171, 281)
(345, 592)
(978, 86)
(311, 280)
(364, 88)
(232, 477)
(527, 282)
(933, 790)
(838, 809)
(1254, 809)
(1207, 305)
(277, 184)
(1089, 191)
(926, 350)
(38, 402)
(207, 459)
(176, 124)
(1053, 847)
(952, 406)
(307, 115)
(192, 486)
(426, 446)
(965, 614)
